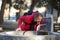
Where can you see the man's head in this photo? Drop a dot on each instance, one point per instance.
(37, 17)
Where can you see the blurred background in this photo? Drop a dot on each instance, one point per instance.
(11, 10)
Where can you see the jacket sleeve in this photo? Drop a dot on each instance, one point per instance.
(20, 20)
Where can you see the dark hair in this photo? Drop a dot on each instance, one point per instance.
(25, 14)
(37, 14)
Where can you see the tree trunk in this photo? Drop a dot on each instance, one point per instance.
(2, 11)
(33, 4)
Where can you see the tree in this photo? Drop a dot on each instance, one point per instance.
(33, 4)
(2, 11)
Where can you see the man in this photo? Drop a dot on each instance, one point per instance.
(30, 22)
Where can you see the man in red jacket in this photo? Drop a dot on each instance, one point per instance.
(30, 22)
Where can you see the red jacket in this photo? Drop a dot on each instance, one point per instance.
(28, 19)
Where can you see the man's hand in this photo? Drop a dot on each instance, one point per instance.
(18, 29)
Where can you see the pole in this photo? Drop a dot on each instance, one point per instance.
(52, 22)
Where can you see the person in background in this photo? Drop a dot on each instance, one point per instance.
(30, 22)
